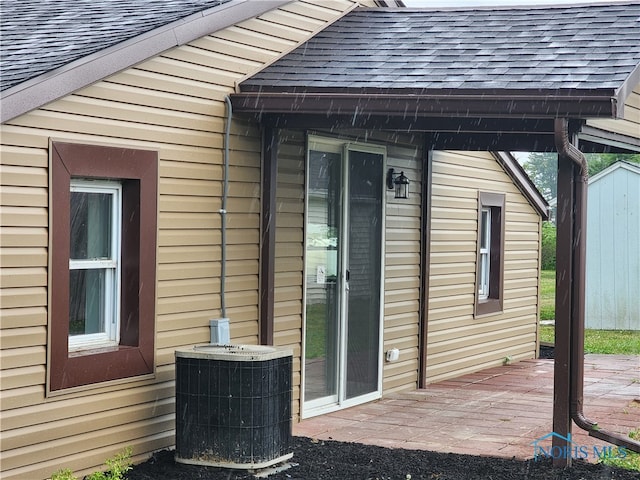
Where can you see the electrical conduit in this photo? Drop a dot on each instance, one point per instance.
(223, 209)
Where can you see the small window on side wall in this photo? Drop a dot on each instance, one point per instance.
(490, 255)
(103, 263)
(94, 264)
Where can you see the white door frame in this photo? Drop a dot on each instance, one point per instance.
(339, 401)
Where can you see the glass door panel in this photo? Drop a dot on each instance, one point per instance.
(344, 225)
(324, 220)
(364, 272)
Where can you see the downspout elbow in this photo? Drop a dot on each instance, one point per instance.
(566, 148)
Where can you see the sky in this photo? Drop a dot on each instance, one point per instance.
(478, 3)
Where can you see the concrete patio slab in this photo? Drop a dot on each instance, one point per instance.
(499, 412)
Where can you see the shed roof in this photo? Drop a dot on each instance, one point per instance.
(588, 54)
(634, 168)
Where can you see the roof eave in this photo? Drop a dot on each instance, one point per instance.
(604, 103)
(60, 82)
(523, 182)
(631, 82)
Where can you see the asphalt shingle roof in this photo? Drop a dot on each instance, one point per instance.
(38, 36)
(569, 47)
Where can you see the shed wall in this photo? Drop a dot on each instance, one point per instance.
(173, 103)
(612, 262)
(613, 251)
(458, 343)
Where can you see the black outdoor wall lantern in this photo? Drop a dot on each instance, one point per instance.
(398, 182)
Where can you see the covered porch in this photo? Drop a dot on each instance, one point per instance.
(392, 70)
(499, 412)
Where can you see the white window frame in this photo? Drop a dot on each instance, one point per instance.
(111, 266)
(485, 253)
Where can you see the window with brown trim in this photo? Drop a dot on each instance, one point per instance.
(490, 254)
(98, 191)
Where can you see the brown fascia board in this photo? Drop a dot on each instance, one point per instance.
(406, 103)
(62, 81)
(523, 182)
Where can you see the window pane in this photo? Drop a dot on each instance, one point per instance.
(90, 225)
(483, 288)
(87, 301)
(485, 243)
(484, 228)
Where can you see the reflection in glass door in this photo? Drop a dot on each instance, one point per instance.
(324, 223)
(343, 275)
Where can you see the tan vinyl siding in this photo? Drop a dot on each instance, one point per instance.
(402, 267)
(173, 103)
(631, 124)
(289, 262)
(458, 342)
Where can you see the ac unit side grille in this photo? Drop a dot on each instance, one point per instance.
(233, 412)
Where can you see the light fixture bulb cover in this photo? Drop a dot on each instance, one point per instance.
(399, 183)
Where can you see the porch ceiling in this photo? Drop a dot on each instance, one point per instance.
(447, 132)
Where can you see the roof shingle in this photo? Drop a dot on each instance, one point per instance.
(38, 36)
(569, 47)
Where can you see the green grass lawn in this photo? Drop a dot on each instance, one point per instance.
(622, 342)
(596, 341)
(630, 460)
(547, 294)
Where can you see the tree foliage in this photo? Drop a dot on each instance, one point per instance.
(596, 162)
(542, 168)
(548, 260)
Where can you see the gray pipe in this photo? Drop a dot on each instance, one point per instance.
(223, 209)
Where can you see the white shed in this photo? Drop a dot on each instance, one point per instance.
(613, 249)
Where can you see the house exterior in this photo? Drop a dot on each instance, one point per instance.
(613, 256)
(169, 105)
(211, 206)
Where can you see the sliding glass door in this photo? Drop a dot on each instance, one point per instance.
(344, 234)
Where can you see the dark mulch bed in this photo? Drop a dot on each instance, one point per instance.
(546, 351)
(330, 460)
